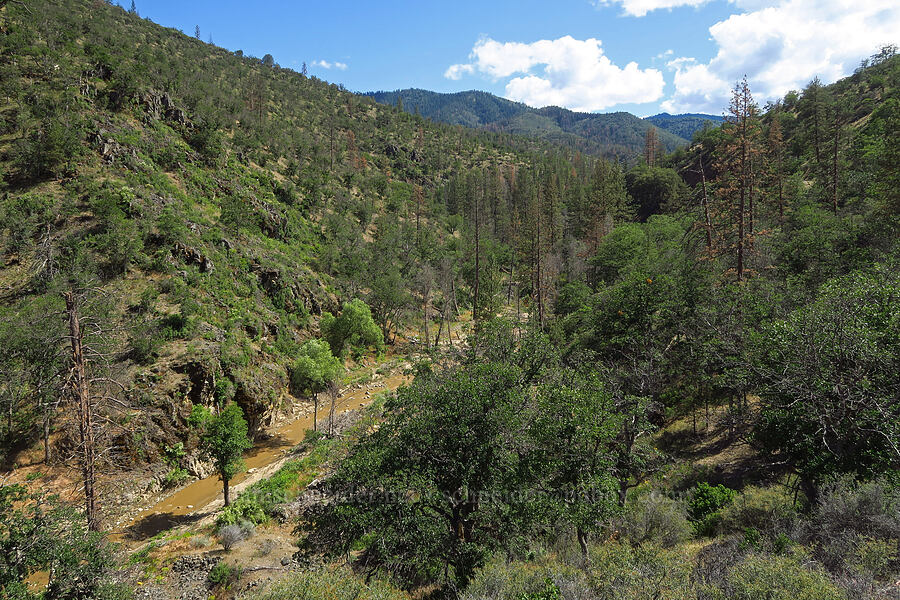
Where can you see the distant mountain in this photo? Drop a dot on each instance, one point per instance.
(619, 134)
(686, 125)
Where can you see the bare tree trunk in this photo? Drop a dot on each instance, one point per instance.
(333, 392)
(81, 393)
(741, 210)
(477, 267)
(425, 298)
(46, 435)
(226, 491)
(834, 165)
(315, 412)
(706, 208)
(582, 541)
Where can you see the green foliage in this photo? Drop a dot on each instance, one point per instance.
(329, 584)
(768, 511)
(224, 439)
(258, 503)
(49, 150)
(40, 533)
(207, 141)
(25, 216)
(657, 519)
(440, 448)
(224, 575)
(461, 466)
(843, 347)
(654, 190)
(778, 578)
(705, 505)
(316, 368)
(353, 329)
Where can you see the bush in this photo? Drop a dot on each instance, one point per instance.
(49, 150)
(848, 516)
(354, 328)
(762, 577)
(656, 518)
(503, 580)
(329, 585)
(705, 504)
(229, 535)
(648, 571)
(768, 511)
(209, 144)
(224, 575)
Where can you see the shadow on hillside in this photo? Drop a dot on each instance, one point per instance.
(153, 524)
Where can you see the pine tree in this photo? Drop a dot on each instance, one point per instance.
(651, 143)
(775, 148)
(738, 152)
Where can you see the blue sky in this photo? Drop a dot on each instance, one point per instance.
(642, 56)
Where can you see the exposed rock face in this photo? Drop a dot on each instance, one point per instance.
(187, 580)
(292, 291)
(110, 149)
(198, 467)
(159, 105)
(193, 256)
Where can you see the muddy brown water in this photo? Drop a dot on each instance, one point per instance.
(189, 504)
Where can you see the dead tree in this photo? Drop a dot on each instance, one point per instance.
(94, 399)
(80, 389)
(334, 393)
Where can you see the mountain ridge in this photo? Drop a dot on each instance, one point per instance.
(614, 135)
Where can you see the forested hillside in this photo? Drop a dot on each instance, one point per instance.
(686, 125)
(618, 135)
(677, 380)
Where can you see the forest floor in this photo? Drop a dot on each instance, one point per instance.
(715, 442)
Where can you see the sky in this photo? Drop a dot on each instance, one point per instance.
(640, 56)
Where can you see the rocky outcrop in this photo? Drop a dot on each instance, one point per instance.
(159, 105)
(110, 149)
(192, 256)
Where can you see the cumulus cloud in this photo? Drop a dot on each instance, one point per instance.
(781, 46)
(566, 72)
(455, 72)
(639, 8)
(330, 65)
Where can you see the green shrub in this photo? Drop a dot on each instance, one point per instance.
(635, 573)
(769, 512)
(847, 516)
(209, 144)
(341, 584)
(224, 575)
(145, 345)
(762, 577)
(875, 557)
(24, 216)
(504, 580)
(656, 518)
(705, 504)
(49, 150)
(354, 328)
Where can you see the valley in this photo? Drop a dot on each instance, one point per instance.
(263, 337)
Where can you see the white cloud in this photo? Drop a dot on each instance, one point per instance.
(781, 46)
(330, 65)
(576, 74)
(639, 8)
(455, 72)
